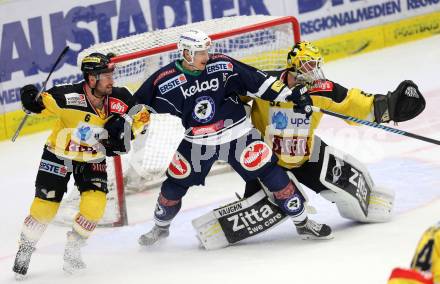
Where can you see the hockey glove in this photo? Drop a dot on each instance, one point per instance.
(301, 99)
(29, 99)
(404, 103)
(118, 142)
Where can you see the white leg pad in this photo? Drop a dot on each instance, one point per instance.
(352, 189)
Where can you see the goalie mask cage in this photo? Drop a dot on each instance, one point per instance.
(260, 41)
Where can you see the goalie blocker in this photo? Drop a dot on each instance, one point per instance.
(349, 186)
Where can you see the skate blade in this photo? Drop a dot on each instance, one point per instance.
(19, 277)
(73, 270)
(312, 237)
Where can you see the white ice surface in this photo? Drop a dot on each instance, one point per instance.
(358, 254)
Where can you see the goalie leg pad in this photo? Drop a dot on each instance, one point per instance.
(352, 189)
(237, 221)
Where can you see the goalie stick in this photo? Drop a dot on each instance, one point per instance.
(43, 88)
(376, 125)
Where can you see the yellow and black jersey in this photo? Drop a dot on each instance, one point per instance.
(426, 258)
(76, 133)
(291, 134)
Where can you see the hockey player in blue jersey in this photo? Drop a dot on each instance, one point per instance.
(203, 90)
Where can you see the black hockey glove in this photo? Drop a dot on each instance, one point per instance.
(404, 103)
(301, 99)
(119, 135)
(29, 102)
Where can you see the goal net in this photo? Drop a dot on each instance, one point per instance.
(260, 41)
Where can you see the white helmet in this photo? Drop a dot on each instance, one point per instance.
(193, 40)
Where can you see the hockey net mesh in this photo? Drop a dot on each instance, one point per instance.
(260, 41)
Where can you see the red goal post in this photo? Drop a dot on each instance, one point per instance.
(260, 41)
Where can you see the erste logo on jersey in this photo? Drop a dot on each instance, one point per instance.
(53, 168)
(255, 156)
(200, 87)
(179, 167)
(219, 66)
(172, 83)
(75, 99)
(117, 106)
(204, 109)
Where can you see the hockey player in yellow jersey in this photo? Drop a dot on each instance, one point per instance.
(427, 256)
(95, 119)
(425, 265)
(335, 175)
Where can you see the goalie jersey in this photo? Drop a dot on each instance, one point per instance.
(291, 134)
(77, 131)
(207, 101)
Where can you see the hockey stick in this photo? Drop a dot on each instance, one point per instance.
(376, 125)
(43, 88)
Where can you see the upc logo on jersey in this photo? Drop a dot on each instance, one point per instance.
(219, 66)
(256, 155)
(83, 133)
(200, 87)
(287, 118)
(53, 168)
(280, 120)
(74, 99)
(204, 109)
(117, 106)
(86, 133)
(172, 83)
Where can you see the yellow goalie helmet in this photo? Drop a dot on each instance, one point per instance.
(304, 61)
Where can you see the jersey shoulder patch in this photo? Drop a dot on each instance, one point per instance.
(163, 74)
(219, 56)
(322, 86)
(219, 66)
(70, 95)
(120, 100)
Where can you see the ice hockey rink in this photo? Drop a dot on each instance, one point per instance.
(358, 253)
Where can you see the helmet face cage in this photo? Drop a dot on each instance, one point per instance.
(193, 40)
(305, 61)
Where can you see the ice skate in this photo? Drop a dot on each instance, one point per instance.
(311, 230)
(155, 234)
(23, 258)
(72, 253)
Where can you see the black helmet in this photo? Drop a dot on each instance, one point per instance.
(97, 63)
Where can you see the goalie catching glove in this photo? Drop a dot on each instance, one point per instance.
(404, 103)
(29, 100)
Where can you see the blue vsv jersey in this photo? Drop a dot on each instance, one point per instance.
(208, 101)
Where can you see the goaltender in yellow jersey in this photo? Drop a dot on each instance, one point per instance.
(337, 176)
